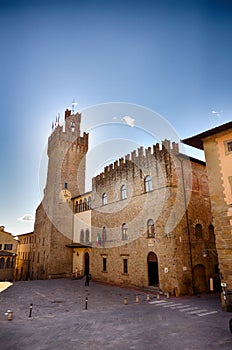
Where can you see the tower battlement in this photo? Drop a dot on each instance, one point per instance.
(68, 135)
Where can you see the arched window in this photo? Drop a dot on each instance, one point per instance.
(87, 235)
(198, 231)
(148, 183)
(123, 192)
(77, 207)
(8, 263)
(89, 203)
(80, 206)
(82, 236)
(85, 204)
(104, 199)
(211, 233)
(103, 234)
(124, 232)
(2, 263)
(72, 126)
(150, 228)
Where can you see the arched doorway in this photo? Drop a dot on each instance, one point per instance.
(153, 273)
(86, 270)
(199, 278)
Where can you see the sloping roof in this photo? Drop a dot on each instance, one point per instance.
(25, 234)
(197, 140)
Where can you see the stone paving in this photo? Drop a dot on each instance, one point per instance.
(59, 319)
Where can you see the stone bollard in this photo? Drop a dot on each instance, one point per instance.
(158, 296)
(137, 299)
(30, 310)
(125, 301)
(148, 297)
(9, 315)
(168, 295)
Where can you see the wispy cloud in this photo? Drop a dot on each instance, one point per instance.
(27, 218)
(216, 113)
(129, 120)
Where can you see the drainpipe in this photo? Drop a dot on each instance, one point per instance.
(187, 222)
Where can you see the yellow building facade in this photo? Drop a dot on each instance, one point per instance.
(8, 250)
(25, 257)
(217, 145)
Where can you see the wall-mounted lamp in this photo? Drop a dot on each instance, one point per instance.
(205, 253)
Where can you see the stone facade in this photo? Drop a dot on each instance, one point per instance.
(170, 255)
(53, 228)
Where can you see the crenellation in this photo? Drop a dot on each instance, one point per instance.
(140, 162)
(140, 153)
(166, 145)
(133, 156)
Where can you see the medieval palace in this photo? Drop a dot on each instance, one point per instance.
(146, 222)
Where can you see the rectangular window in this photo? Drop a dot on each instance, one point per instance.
(125, 266)
(0, 247)
(38, 258)
(230, 182)
(228, 146)
(104, 265)
(8, 247)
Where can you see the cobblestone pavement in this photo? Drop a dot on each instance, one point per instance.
(60, 320)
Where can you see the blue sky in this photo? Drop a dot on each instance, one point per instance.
(173, 57)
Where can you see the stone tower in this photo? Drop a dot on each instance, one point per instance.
(54, 216)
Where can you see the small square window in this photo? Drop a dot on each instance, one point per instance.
(8, 247)
(228, 146)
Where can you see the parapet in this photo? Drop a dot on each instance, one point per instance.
(68, 135)
(140, 159)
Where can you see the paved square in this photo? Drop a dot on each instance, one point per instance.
(60, 319)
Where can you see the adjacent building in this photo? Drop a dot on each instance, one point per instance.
(25, 257)
(217, 145)
(8, 249)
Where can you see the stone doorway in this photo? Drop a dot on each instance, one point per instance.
(199, 278)
(153, 272)
(86, 270)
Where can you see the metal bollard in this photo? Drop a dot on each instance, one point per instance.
(86, 303)
(137, 299)
(9, 315)
(30, 310)
(125, 301)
